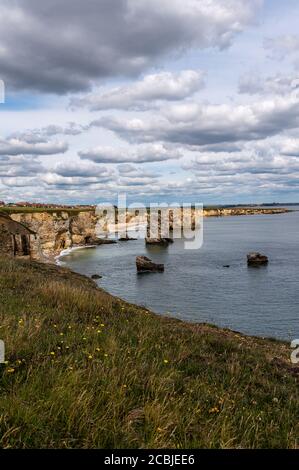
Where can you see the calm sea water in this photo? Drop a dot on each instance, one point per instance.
(196, 287)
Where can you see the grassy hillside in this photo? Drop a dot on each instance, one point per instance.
(87, 370)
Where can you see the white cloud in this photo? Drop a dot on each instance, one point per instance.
(156, 152)
(200, 124)
(141, 94)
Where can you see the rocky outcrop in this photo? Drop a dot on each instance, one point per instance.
(45, 234)
(96, 276)
(256, 259)
(237, 211)
(145, 265)
(163, 224)
(158, 241)
(57, 231)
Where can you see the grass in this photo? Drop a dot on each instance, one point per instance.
(87, 370)
(29, 210)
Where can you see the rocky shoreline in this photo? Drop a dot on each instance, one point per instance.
(44, 235)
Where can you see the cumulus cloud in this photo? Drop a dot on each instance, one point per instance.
(83, 170)
(63, 47)
(155, 152)
(15, 146)
(259, 166)
(41, 135)
(52, 179)
(141, 94)
(19, 166)
(200, 124)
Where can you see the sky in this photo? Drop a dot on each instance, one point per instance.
(161, 100)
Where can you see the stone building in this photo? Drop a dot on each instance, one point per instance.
(15, 238)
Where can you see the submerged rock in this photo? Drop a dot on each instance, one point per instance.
(144, 265)
(256, 259)
(96, 276)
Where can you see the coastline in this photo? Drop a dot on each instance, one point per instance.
(111, 372)
(70, 250)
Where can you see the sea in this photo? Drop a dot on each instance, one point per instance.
(211, 284)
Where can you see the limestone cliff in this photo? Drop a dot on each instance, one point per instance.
(57, 231)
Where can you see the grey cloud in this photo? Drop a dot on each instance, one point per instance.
(19, 166)
(142, 154)
(53, 179)
(42, 135)
(22, 147)
(201, 125)
(142, 181)
(82, 170)
(61, 47)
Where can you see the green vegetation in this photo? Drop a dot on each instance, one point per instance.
(85, 369)
(29, 210)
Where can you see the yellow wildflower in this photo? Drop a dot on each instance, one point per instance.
(10, 370)
(214, 410)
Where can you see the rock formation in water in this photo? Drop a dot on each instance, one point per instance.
(145, 265)
(256, 259)
(96, 276)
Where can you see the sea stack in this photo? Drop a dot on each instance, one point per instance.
(145, 265)
(256, 259)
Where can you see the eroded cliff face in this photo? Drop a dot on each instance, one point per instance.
(57, 231)
(60, 230)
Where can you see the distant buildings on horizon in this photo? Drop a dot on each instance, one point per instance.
(39, 205)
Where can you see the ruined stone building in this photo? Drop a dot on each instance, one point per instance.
(15, 238)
